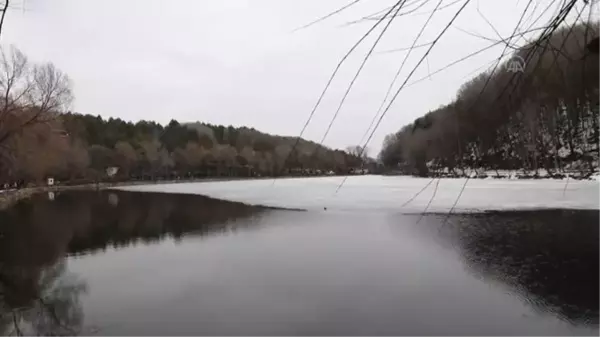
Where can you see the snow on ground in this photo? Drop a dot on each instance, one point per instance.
(389, 193)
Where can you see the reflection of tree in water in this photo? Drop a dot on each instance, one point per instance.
(150, 217)
(42, 301)
(36, 289)
(37, 293)
(550, 256)
(83, 221)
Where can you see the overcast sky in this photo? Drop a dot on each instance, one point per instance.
(237, 62)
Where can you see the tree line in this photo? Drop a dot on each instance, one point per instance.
(40, 138)
(544, 116)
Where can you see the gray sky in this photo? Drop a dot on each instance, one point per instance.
(237, 62)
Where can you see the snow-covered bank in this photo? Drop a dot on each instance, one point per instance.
(519, 174)
(366, 193)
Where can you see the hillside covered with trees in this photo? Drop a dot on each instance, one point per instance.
(545, 117)
(40, 138)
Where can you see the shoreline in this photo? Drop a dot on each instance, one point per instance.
(509, 175)
(10, 197)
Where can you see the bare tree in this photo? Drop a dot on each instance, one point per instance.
(156, 158)
(191, 157)
(126, 157)
(77, 159)
(358, 151)
(40, 152)
(30, 94)
(282, 152)
(225, 154)
(248, 153)
(101, 158)
(339, 160)
(266, 163)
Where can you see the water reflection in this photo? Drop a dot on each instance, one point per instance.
(38, 295)
(82, 222)
(336, 273)
(549, 257)
(40, 301)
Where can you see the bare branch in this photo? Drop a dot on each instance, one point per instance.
(489, 23)
(375, 16)
(406, 48)
(332, 76)
(4, 9)
(417, 194)
(391, 86)
(337, 11)
(366, 58)
(407, 78)
(430, 200)
(30, 94)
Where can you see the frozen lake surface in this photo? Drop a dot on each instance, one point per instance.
(384, 193)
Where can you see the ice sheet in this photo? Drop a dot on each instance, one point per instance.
(373, 193)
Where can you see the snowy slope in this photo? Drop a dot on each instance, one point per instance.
(366, 193)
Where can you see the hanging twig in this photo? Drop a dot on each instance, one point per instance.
(417, 194)
(331, 77)
(430, 200)
(407, 78)
(4, 9)
(365, 59)
(337, 11)
(391, 86)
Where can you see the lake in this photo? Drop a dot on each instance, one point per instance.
(131, 263)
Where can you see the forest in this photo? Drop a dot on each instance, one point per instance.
(544, 118)
(41, 138)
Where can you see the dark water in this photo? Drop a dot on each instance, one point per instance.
(121, 263)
